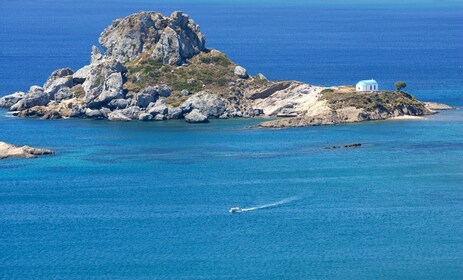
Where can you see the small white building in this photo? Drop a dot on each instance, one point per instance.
(367, 85)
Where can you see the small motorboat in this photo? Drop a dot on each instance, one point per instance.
(235, 209)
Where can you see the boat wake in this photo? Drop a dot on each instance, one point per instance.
(269, 205)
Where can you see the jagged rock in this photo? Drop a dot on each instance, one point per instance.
(81, 75)
(211, 105)
(59, 79)
(8, 150)
(170, 40)
(241, 72)
(111, 89)
(118, 116)
(148, 95)
(118, 103)
(64, 94)
(145, 117)
(96, 56)
(195, 116)
(35, 97)
(93, 114)
(10, 100)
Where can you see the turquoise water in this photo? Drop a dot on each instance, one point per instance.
(150, 200)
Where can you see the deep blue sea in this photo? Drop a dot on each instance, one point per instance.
(150, 200)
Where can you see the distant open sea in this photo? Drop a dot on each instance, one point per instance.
(150, 200)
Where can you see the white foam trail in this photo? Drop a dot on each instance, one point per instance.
(274, 204)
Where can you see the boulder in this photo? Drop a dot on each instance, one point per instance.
(118, 104)
(160, 117)
(93, 114)
(145, 117)
(147, 96)
(10, 100)
(158, 108)
(241, 72)
(105, 112)
(118, 116)
(170, 40)
(164, 90)
(132, 112)
(195, 116)
(175, 113)
(211, 105)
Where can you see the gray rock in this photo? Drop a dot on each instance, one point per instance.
(118, 103)
(170, 40)
(96, 55)
(158, 108)
(241, 72)
(148, 95)
(64, 94)
(58, 79)
(35, 97)
(81, 75)
(132, 112)
(93, 114)
(211, 105)
(160, 117)
(164, 90)
(145, 117)
(195, 116)
(185, 92)
(105, 112)
(118, 116)
(10, 100)
(175, 113)
(111, 89)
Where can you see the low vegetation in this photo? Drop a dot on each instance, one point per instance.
(381, 100)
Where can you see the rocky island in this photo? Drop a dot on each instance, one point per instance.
(154, 68)
(8, 150)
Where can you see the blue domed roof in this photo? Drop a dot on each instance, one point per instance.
(368, 82)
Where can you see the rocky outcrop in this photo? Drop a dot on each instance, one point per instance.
(437, 106)
(170, 40)
(155, 68)
(10, 100)
(8, 150)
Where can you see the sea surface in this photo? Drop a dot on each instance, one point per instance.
(150, 200)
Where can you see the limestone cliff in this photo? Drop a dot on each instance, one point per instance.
(156, 68)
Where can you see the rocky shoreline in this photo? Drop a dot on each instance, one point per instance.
(156, 68)
(8, 150)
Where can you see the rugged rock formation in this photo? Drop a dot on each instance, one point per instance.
(8, 150)
(157, 68)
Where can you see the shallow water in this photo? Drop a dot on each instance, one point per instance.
(151, 200)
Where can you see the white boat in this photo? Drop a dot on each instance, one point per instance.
(235, 209)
